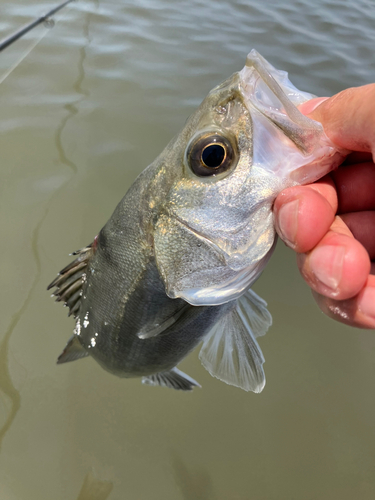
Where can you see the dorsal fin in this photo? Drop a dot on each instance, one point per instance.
(69, 281)
(73, 350)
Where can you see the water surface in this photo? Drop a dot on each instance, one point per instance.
(91, 106)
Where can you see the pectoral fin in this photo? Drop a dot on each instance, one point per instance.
(174, 379)
(164, 327)
(230, 351)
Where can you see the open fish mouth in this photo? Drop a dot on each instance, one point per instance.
(269, 91)
(304, 153)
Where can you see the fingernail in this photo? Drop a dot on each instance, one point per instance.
(288, 222)
(326, 264)
(366, 303)
(309, 106)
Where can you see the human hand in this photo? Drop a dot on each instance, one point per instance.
(331, 223)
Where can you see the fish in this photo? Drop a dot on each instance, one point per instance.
(174, 265)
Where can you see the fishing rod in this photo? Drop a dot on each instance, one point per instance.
(12, 38)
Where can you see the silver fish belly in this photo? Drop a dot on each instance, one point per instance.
(174, 264)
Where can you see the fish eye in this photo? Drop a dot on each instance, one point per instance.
(210, 154)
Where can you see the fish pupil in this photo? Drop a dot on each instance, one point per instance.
(213, 155)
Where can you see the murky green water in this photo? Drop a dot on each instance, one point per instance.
(85, 112)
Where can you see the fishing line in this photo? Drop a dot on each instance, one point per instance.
(49, 23)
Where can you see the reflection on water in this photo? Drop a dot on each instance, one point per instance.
(6, 385)
(95, 102)
(94, 489)
(72, 108)
(194, 485)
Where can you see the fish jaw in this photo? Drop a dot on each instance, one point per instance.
(287, 143)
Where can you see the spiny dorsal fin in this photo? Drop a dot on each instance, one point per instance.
(73, 350)
(174, 379)
(230, 351)
(69, 281)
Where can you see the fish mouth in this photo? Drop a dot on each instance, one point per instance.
(269, 91)
(304, 153)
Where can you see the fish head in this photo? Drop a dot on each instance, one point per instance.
(246, 142)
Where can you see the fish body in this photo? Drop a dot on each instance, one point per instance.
(174, 264)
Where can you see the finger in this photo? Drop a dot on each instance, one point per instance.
(348, 118)
(355, 187)
(357, 157)
(358, 311)
(327, 188)
(304, 214)
(362, 226)
(338, 266)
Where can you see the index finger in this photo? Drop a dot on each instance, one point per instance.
(348, 118)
